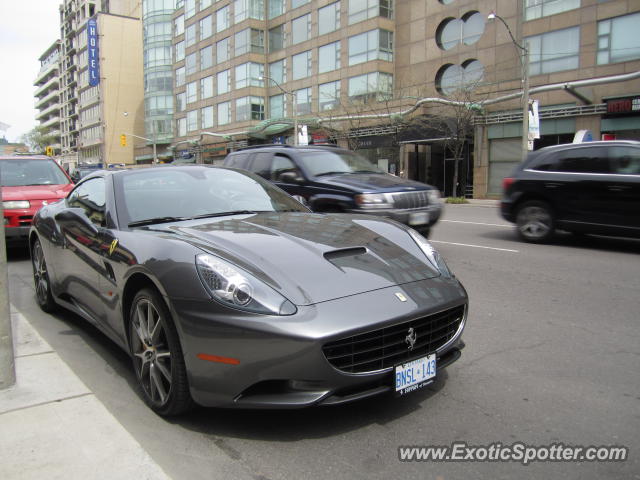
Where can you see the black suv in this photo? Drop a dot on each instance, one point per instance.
(589, 187)
(332, 179)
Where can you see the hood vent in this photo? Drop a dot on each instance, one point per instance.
(344, 252)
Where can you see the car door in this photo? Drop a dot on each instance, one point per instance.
(623, 187)
(80, 264)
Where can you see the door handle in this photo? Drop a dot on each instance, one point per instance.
(552, 184)
(618, 188)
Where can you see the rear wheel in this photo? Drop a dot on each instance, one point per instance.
(157, 355)
(44, 297)
(535, 221)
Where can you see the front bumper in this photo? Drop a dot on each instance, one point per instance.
(412, 217)
(16, 233)
(280, 360)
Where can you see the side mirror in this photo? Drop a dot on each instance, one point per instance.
(291, 177)
(76, 218)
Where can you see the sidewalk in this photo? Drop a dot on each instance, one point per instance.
(54, 427)
(480, 202)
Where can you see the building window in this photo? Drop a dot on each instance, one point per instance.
(452, 78)
(329, 18)
(206, 27)
(223, 82)
(205, 4)
(360, 10)
(244, 9)
(542, 8)
(156, 56)
(277, 106)
(329, 57)
(206, 117)
(376, 86)
(329, 96)
(192, 120)
(206, 87)
(179, 51)
(298, 3)
(190, 35)
(222, 19)
(181, 102)
(249, 40)
(181, 127)
(249, 75)
(206, 57)
(554, 51)
(190, 63)
(276, 8)
(303, 101)
(300, 29)
(223, 50)
(249, 108)
(371, 45)
(192, 92)
(301, 64)
(618, 40)
(466, 30)
(189, 8)
(224, 113)
(278, 71)
(180, 76)
(276, 38)
(178, 25)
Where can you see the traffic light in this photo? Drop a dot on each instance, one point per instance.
(123, 140)
(49, 152)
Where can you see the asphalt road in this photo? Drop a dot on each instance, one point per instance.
(553, 356)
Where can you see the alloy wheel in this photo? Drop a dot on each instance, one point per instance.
(535, 222)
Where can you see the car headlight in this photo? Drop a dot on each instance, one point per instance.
(14, 204)
(431, 253)
(372, 200)
(234, 287)
(433, 196)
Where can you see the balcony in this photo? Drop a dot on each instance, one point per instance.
(52, 84)
(46, 73)
(53, 122)
(52, 97)
(53, 109)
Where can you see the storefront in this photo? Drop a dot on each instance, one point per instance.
(622, 120)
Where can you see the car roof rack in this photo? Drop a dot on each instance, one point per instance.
(282, 145)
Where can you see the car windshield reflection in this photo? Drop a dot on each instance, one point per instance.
(325, 163)
(23, 172)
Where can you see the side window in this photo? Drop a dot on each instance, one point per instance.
(583, 160)
(90, 196)
(625, 160)
(238, 161)
(280, 165)
(261, 164)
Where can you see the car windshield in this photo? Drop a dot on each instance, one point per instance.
(160, 195)
(23, 171)
(323, 162)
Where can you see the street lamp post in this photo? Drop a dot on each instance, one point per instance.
(153, 142)
(294, 106)
(525, 85)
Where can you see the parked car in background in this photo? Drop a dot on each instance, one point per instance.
(589, 187)
(225, 291)
(28, 183)
(332, 179)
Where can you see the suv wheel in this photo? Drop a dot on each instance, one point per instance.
(535, 222)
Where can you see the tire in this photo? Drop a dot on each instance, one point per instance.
(157, 355)
(535, 222)
(41, 281)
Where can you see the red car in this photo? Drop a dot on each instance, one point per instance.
(28, 183)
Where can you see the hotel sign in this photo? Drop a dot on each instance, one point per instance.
(93, 51)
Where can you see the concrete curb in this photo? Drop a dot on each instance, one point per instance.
(54, 427)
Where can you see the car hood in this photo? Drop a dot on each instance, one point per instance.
(367, 182)
(36, 192)
(312, 258)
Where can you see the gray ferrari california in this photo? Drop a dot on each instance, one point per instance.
(227, 292)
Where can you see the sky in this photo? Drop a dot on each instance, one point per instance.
(27, 29)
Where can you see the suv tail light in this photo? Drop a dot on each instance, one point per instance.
(506, 183)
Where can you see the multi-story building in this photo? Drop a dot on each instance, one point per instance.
(352, 67)
(101, 80)
(47, 93)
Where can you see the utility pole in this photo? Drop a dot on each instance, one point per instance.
(7, 363)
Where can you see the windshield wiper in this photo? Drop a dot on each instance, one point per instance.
(365, 171)
(234, 212)
(151, 221)
(331, 173)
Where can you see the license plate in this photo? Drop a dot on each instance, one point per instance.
(415, 374)
(418, 218)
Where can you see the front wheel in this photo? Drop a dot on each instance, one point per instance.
(535, 221)
(44, 297)
(157, 355)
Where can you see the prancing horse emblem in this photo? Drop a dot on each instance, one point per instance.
(411, 338)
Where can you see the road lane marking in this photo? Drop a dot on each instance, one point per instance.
(476, 246)
(506, 225)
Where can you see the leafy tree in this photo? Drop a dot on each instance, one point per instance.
(39, 139)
